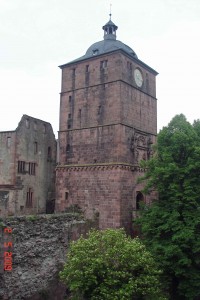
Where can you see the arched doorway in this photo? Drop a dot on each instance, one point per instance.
(139, 200)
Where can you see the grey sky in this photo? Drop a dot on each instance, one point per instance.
(38, 35)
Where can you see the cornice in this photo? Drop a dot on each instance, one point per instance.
(99, 166)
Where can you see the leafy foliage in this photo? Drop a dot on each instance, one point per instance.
(109, 265)
(171, 226)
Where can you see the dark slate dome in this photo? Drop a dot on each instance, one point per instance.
(107, 46)
(110, 43)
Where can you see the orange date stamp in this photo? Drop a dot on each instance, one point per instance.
(8, 245)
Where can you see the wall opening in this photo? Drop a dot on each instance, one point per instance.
(139, 200)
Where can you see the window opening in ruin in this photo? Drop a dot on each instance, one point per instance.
(29, 198)
(68, 148)
(44, 128)
(35, 147)
(139, 200)
(49, 153)
(68, 126)
(8, 143)
(70, 98)
(69, 116)
(35, 125)
(21, 167)
(31, 168)
(27, 123)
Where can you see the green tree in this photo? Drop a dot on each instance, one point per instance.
(110, 265)
(171, 225)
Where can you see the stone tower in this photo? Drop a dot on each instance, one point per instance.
(108, 123)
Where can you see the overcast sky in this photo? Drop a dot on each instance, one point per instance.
(38, 35)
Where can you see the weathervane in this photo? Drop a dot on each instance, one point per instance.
(110, 14)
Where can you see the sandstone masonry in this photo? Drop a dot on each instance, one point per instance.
(27, 168)
(108, 123)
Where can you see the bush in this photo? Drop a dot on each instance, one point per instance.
(109, 265)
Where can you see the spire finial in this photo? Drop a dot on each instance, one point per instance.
(110, 14)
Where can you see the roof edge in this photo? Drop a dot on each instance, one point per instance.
(83, 58)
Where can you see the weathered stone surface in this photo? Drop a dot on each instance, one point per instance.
(27, 165)
(107, 126)
(39, 250)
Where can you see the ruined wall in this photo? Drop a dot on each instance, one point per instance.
(27, 168)
(37, 149)
(39, 246)
(7, 150)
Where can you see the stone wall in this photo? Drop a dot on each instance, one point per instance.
(39, 246)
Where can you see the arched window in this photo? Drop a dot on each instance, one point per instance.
(139, 200)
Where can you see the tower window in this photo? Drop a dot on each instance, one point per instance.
(69, 126)
(129, 65)
(70, 98)
(103, 64)
(68, 148)
(139, 200)
(69, 116)
(66, 195)
(99, 110)
(73, 72)
(87, 68)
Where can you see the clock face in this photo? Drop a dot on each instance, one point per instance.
(138, 77)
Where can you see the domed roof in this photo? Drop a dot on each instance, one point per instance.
(110, 43)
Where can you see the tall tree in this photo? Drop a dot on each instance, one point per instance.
(171, 225)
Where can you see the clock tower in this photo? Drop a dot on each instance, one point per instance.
(108, 123)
